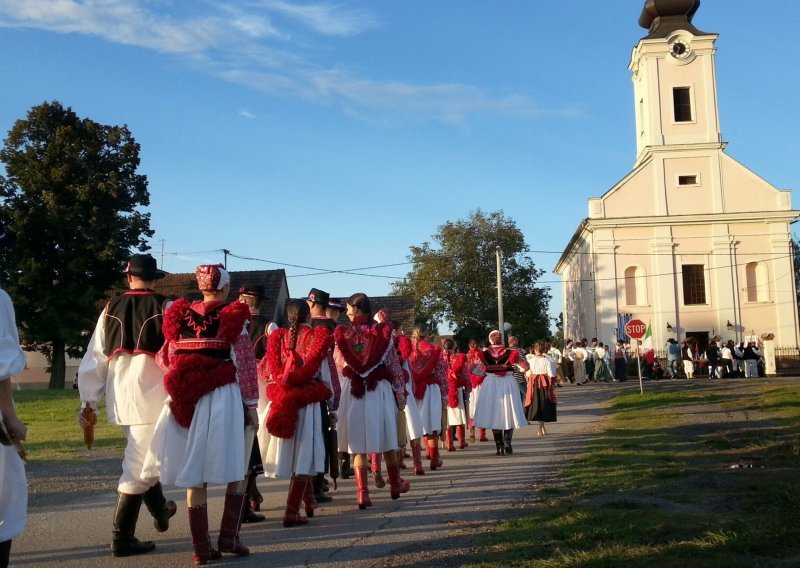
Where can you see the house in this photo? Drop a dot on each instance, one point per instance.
(690, 241)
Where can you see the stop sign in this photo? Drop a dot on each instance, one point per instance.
(635, 329)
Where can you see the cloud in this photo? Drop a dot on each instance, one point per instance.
(253, 44)
(246, 114)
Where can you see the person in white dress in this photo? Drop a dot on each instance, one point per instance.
(430, 390)
(212, 386)
(13, 484)
(458, 383)
(298, 380)
(372, 391)
(500, 405)
(477, 372)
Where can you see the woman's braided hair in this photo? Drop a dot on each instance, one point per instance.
(297, 311)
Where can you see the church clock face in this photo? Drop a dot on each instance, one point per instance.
(680, 49)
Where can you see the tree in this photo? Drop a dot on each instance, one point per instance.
(455, 280)
(72, 196)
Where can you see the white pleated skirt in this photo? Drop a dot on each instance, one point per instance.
(302, 454)
(473, 401)
(211, 450)
(413, 417)
(13, 494)
(430, 409)
(367, 425)
(499, 406)
(457, 416)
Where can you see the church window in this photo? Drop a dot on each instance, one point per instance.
(682, 103)
(687, 180)
(757, 286)
(694, 284)
(635, 286)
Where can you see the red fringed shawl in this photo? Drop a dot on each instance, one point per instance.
(363, 348)
(404, 347)
(293, 373)
(455, 372)
(476, 359)
(193, 375)
(423, 363)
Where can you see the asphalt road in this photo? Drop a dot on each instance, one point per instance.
(434, 524)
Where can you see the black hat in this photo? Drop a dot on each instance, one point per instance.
(7, 238)
(319, 297)
(144, 266)
(335, 304)
(256, 291)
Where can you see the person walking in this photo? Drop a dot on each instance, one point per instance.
(620, 362)
(750, 356)
(13, 483)
(540, 398)
(120, 364)
(213, 392)
(673, 355)
(713, 357)
(687, 356)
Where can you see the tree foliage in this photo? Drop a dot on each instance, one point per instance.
(72, 196)
(453, 280)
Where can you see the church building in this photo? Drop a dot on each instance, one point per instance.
(690, 241)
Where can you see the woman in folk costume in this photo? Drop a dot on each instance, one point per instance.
(458, 386)
(499, 405)
(540, 399)
(372, 392)
(199, 436)
(298, 379)
(430, 389)
(409, 420)
(477, 372)
(579, 355)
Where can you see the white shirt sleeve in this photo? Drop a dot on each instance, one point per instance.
(12, 358)
(93, 370)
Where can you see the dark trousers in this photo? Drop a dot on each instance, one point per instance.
(5, 550)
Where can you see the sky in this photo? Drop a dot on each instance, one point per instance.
(335, 135)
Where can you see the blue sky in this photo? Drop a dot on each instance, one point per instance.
(336, 135)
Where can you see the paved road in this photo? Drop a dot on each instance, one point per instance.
(433, 525)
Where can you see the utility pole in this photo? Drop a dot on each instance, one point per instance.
(500, 297)
(226, 252)
(162, 255)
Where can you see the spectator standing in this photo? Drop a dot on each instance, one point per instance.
(751, 355)
(620, 362)
(687, 356)
(726, 360)
(713, 357)
(673, 354)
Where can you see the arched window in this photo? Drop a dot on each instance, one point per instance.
(635, 286)
(757, 282)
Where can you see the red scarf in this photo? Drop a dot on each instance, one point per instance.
(423, 363)
(455, 370)
(363, 348)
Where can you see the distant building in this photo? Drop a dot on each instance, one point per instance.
(690, 240)
(400, 308)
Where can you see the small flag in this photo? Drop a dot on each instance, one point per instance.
(647, 342)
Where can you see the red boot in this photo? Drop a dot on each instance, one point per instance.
(231, 523)
(201, 543)
(375, 459)
(450, 446)
(416, 452)
(397, 486)
(462, 441)
(309, 499)
(363, 490)
(482, 435)
(401, 453)
(433, 451)
(291, 516)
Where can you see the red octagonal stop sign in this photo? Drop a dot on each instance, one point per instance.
(635, 329)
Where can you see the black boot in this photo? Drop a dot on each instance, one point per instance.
(498, 441)
(125, 517)
(344, 469)
(161, 509)
(507, 434)
(319, 494)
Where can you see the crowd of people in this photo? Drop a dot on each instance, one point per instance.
(209, 392)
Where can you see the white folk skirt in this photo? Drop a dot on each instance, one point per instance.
(302, 454)
(367, 425)
(430, 408)
(13, 494)
(414, 426)
(473, 401)
(211, 450)
(457, 416)
(499, 406)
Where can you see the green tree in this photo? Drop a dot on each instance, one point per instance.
(72, 196)
(454, 279)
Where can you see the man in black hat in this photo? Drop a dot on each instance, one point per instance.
(120, 362)
(253, 296)
(317, 301)
(13, 484)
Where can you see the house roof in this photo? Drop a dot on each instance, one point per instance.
(400, 308)
(184, 285)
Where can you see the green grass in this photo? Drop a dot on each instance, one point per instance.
(657, 490)
(53, 432)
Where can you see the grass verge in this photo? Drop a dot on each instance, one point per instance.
(53, 432)
(677, 479)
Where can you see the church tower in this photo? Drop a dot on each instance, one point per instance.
(674, 80)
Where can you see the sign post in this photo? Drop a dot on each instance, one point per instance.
(636, 329)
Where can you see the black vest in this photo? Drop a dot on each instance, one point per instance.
(133, 323)
(257, 329)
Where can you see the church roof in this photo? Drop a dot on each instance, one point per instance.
(663, 17)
